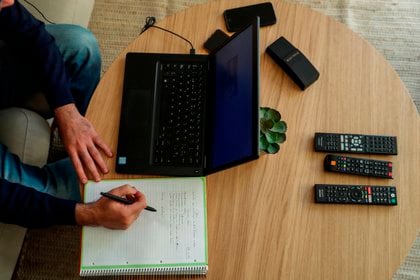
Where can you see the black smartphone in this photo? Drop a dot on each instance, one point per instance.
(238, 18)
(216, 40)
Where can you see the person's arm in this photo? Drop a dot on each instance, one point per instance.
(20, 29)
(26, 207)
(24, 32)
(29, 208)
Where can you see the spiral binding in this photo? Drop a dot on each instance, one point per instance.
(175, 270)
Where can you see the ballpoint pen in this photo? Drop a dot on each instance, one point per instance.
(124, 200)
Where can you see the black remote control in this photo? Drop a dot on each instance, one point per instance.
(355, 143)
(356, 194)
(358, 166)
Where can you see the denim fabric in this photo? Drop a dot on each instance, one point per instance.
(58, 179)
(81, 54)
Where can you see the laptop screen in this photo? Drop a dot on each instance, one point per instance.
(234, 111)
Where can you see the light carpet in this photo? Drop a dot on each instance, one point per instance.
(391, 26)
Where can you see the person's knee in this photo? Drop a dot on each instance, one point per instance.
(84, 40)
(88, 48)
(77, 45)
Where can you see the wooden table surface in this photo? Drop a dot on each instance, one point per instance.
(262, 219)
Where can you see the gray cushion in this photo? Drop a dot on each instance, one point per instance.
(26, 134)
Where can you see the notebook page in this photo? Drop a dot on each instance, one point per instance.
(174, 235)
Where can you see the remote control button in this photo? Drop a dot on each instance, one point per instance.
(356, 194)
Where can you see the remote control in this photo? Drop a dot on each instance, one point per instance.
(356, 143)
(356, 194)
(358, 166)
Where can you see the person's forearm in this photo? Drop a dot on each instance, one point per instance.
(25, 206)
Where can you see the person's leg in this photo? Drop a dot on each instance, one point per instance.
(57, 179)
(82, 58)
(81, 55)
(20, 86)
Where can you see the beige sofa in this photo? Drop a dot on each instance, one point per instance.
(25, 133)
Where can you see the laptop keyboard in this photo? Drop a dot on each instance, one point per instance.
(179, 137)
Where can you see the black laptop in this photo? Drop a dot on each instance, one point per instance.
(191, 115)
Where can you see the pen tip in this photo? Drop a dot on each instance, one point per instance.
(151, 209)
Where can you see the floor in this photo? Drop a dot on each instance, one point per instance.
(11, 239)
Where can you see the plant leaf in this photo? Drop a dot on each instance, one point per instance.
(272, 130)
(282, 138)
(273, 137)
(263, 111)
(280, 127)
(273, 115)
(263, 143)
(273, 148)
(266, 125)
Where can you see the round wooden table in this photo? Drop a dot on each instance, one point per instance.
(262, 219)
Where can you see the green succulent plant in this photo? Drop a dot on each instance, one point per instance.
(272, 130)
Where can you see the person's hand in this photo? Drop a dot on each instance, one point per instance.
(82, 142)
(112, 214)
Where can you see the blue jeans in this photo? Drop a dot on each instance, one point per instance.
(82, 59)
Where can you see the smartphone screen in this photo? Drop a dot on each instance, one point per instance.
(237, 18)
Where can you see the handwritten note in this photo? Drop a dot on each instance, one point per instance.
(175, 234)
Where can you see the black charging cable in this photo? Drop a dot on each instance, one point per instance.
(42, 15)
(150, 22)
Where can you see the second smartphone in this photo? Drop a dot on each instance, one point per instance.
(237, 18)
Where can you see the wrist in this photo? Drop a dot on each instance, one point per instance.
(86, 215)
(65, 111)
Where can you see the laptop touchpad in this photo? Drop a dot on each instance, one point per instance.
(136, 123)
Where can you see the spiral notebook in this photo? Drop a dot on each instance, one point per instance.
(171, 241)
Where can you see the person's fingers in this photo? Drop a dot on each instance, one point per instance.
(78, 166)
(103, 146)
(140, 196)
(141, 200)
(124, 190)
(89, 164)
(97, 158)
(127, 190)
(113, 214)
